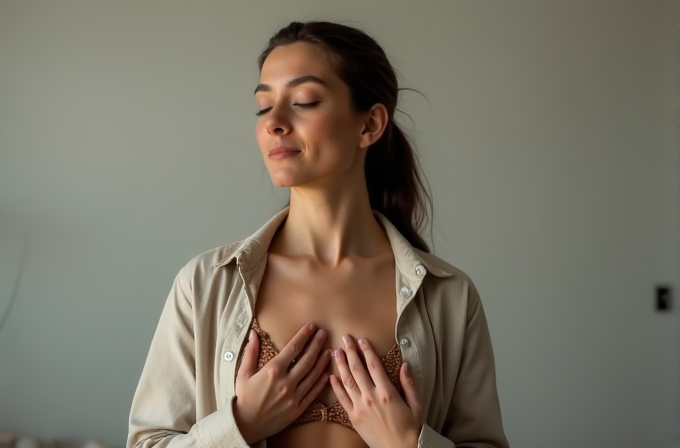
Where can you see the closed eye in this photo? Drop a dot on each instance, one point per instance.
(307, 105)
(300, 105)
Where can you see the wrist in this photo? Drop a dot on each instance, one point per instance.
(241, 424)
(411, 438)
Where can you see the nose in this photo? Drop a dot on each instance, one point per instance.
(277, 122)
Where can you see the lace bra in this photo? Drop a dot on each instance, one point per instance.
(317, 411)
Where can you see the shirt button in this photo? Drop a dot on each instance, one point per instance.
(404, 342)
(229, 356)
(405, 292)
(421, 271)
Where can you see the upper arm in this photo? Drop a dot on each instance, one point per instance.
(165, 400)
(474, 415)
(169, 409)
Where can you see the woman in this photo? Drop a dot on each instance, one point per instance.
(332, 325)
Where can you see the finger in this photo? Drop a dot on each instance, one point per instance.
(295, 345)
(306, 362)
(341, 394)
(356, 365)
(348, 382)
(374, 365)
(251, 352)
(410, 392)
(309, 380)
(314, 392)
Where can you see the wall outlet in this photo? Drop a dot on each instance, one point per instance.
(663, 298)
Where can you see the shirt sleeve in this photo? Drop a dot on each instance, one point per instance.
(474, 415)
(163, 412)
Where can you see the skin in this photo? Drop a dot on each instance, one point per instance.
(330, 271)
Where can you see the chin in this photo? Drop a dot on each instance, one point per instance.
(283, 184)
(283, 180)
(291, 176)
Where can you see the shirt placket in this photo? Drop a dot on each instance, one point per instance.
(407, 288)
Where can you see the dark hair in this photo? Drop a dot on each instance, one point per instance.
(395, 183)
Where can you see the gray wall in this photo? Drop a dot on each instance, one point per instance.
(549, 140)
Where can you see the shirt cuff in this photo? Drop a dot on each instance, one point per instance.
(429, 438)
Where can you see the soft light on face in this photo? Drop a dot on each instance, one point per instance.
(307, 128)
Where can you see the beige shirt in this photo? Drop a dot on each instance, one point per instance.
(185, 393)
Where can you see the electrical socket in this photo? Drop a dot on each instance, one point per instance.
(663, 298)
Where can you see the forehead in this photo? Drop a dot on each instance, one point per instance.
(291, 61)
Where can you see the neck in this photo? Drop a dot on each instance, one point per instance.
(330, 226)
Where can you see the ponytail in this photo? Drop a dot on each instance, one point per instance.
(395, 185)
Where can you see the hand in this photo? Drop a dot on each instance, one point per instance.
(271, 399)
(375, 408)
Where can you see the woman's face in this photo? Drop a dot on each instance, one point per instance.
(307, 129)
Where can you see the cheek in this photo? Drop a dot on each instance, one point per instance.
(329, 128)
(315, 127)
(335, 141)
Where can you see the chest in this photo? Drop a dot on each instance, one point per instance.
(357, 298)
(362, 301)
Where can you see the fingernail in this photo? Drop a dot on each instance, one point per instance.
(347, 340)
(320, 334)
(336, 353)
(251, 335)
(406, 369)
(362, 342)
(312, 326)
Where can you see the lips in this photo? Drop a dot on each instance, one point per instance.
(283, 152)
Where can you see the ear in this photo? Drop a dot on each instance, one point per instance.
(374, 124)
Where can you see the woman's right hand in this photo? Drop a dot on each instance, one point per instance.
(271, 399)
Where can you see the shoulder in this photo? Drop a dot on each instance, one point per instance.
(446, 283)
(442, 269)
(206, 264)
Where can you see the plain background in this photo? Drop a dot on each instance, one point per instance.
(549, 137)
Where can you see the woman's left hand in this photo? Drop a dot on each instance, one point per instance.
(375, 408)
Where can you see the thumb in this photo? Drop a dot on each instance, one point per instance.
(251, 352)
(410, 392)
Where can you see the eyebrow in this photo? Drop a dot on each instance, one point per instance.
(293, 83)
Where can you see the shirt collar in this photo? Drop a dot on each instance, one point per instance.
(249, 252)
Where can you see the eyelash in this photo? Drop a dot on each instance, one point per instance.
(301, 105)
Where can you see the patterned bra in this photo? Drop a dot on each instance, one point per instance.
(317, 411)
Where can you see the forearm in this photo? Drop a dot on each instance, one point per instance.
(218, 429)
